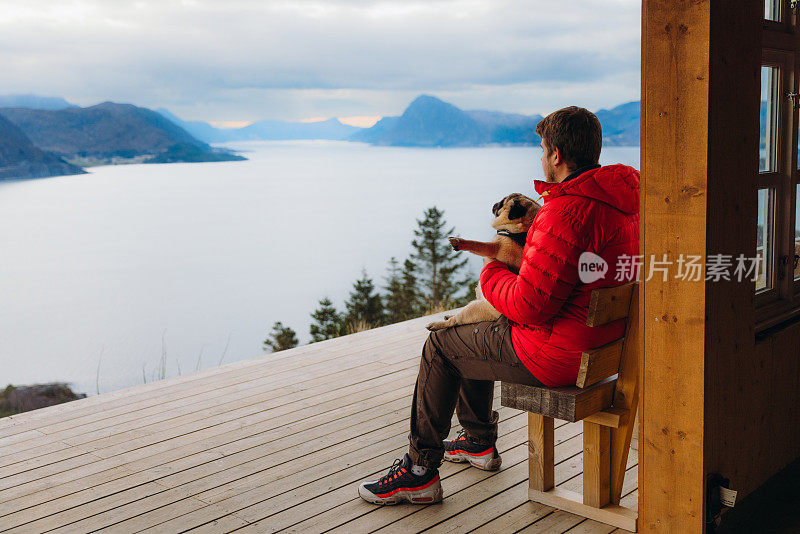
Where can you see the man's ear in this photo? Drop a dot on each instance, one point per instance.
(556, 156)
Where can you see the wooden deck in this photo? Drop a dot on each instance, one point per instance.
(276, 443)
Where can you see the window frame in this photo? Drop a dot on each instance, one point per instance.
(785, 21)
(781, 49)
(776, 179)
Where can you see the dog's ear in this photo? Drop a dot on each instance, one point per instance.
(517, 211)
(496, 208)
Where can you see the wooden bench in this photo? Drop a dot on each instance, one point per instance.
(605, 398)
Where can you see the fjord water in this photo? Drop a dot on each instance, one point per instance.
(117, 267)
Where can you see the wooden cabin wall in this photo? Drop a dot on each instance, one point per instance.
(738, 375)
(758, 432)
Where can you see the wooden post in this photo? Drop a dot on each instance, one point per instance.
(700, 104)
(596, 465)
(541, 450)
(675, 84)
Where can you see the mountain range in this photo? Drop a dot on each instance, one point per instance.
(45, 136)
(426, 122)
(430, 122)
(107, 133)
(266, 130)
(101, 133)
(621, 124)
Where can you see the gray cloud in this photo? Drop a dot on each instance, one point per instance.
(244, 60)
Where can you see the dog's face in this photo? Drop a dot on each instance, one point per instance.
(514, 213)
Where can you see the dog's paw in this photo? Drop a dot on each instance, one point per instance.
(437, 325)
(455, 242)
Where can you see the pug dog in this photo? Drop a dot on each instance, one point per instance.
(513, 216)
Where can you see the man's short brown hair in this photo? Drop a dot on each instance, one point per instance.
(575, 132)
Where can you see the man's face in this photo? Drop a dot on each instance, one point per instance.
(547, 165)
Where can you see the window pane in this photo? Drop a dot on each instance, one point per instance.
(764, 243)
(797, 234)
(772, 9)
(768, 151)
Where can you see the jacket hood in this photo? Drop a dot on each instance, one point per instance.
(616, 185)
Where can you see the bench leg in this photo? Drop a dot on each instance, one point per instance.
(596, 465)
(620, 447)
(541, 450)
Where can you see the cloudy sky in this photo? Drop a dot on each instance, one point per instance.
(242, 60)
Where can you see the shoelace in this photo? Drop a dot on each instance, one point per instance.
(396, 466)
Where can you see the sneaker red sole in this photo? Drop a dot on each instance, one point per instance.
(430, 495)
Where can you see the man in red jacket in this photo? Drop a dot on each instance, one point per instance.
(589, 214)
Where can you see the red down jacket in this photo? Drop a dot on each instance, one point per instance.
(546, 304)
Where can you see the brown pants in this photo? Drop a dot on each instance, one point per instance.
(457, 373)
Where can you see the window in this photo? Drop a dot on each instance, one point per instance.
(768, 148)
(777, 194)
(772, 10)
(773, 173)
(779, 12)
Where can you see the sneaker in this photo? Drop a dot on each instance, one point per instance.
(400, 484)
(461, 449)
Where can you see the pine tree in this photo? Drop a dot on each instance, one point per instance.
(436, 261)
(401, 298)
(281, 338)
(364, 307)
(411, 293)
(392, 299)
(327, 322)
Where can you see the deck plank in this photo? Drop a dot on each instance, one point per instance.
(243, 411)
(203, 392)
(464, 499)
(178, 453)
(261, 485)
(364, 373)
(192, 452)
(261, 465)
(375, 517)
(281, 512)
(306, 491)
(276, 443)
(250, 455)
(549, 519)
(193, 382)
(260, 398)
(231, 433)
(339, 506)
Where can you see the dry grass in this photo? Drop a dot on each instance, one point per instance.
(361, 325)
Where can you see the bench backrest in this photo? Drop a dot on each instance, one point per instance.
(606, 305)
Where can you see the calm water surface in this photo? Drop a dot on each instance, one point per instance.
(198, 260)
